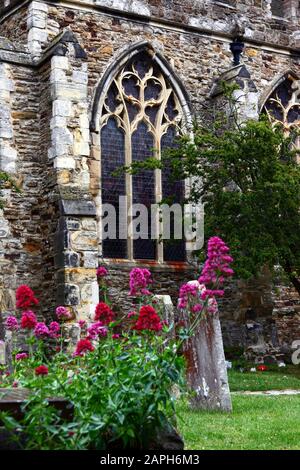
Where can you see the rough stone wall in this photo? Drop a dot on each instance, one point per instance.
(15, 26)
(48, 233)
(21, 243)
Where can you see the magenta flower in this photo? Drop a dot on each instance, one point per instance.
(197, 308)
(82, 323)
(139, 281)
(115, 336)
(21, 356)
(96, 330)
(62, 313)
(12, 323)
(212, 306)
(216, 267)
(54, 328)
(101, 271)
(41, 330)
(131, 314)
(187, 290)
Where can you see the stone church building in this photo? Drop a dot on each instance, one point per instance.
(89, 85)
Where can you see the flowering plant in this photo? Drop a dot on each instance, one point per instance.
(119, 377)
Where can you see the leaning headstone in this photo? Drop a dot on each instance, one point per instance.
(206, 366)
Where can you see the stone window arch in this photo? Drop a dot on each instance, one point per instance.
(282, 106)
(140, 108)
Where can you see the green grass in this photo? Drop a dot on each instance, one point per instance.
(256, 423)
(273, 379)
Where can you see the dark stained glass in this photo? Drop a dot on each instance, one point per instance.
(171, 110)
(279, 100)
(294, 114)
(283, 104)
(112, 157)
(151, 112)
(143, 189)
(131, 86)
(173, 192)
(111, 98)
(152, 91)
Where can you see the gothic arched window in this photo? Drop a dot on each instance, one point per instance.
(140, 117)
(283, 105)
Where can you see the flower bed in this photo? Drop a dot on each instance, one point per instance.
(120, 376)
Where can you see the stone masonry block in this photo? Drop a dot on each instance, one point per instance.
(38, 35)
(90, 259)
(59, 62)
(38, 6)
(65, 162)
(62, 107)
(68, 91)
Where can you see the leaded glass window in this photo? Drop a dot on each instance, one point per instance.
(141, 115)
(283, 105)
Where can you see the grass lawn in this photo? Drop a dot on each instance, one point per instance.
(273, 379)
(259, 422)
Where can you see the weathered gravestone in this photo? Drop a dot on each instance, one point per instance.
(205, 360)
(206, 366)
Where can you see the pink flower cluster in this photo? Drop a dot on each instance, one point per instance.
(187, 290)
(139, 281)
(216, 267)
(29, 322)
(96, 330)
(101, 272)
(21, 356)
(63, 313)
(12, 323)
(41, 330)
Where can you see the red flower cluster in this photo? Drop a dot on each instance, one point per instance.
(262, 368)
(83, 346)
(148, 319)
(25, 297)
(104, 313)
(41, 370)
(28, 320)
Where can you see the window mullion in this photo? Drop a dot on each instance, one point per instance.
(128, 161)
(158, 196)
